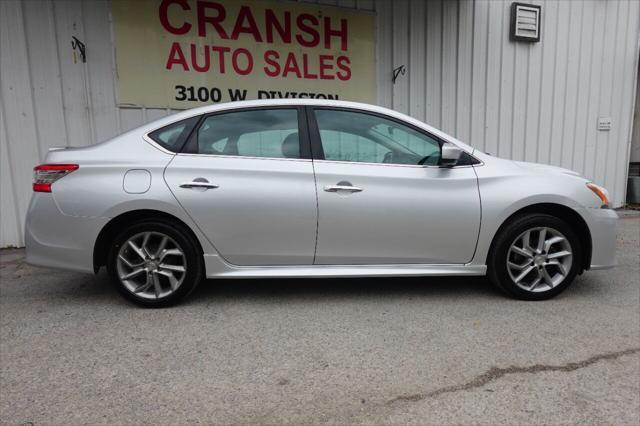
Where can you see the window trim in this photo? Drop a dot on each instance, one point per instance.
(190, 147)
(318, 151)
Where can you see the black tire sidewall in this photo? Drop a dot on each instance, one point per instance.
(192, 254)
(498, 258)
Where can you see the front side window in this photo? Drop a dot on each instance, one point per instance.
(269, 133)
(367, 138)
(173, 136)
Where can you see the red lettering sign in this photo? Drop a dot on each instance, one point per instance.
(211, 20)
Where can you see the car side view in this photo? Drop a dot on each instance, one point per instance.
(310, 188)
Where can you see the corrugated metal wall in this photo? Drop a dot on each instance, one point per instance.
(534, 102)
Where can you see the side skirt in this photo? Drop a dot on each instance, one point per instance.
(218, 268)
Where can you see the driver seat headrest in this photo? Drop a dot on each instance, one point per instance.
(291, 146)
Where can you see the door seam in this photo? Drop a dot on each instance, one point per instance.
(315, 181)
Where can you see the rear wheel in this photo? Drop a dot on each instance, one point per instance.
(535, 257)
(154, 263)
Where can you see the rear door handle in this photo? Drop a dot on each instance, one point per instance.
(196, 184)
(336, 188)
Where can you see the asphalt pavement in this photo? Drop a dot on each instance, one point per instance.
(331, 351)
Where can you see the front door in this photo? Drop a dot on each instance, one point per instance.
(247, 182)
(382, 199)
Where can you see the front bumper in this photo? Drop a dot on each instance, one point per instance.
(56, 240)
(602, 225)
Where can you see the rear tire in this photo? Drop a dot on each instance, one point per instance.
(534, 257)
(155, 263)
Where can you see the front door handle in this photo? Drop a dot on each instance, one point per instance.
(199, 184)
(336, 188)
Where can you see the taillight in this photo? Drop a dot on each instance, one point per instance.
(45, 174)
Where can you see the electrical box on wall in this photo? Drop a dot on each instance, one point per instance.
(525, 22)
(604, 123)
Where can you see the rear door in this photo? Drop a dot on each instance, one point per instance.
(382, 199)
(246, 179)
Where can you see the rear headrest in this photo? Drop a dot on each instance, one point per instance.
(291, 146)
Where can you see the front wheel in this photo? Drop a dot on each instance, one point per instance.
(534, 257)
(154, 263)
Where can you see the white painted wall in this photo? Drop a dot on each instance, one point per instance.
(533, 102)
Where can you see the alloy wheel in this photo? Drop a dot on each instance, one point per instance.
(539, 259)
(151, 265)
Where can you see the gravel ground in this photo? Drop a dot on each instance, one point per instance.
(376, 351)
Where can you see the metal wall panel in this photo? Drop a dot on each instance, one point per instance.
(534, 102)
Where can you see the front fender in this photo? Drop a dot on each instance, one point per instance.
(504, 195)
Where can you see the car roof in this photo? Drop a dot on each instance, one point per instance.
(287, 101)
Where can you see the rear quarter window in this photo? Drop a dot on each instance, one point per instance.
(173, 136)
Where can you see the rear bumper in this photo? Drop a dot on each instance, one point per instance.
(55, 240)
(602, 225)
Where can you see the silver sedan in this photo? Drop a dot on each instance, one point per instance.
(305, 188)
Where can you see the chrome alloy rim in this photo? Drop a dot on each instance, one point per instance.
(539, 259)
(151, 265)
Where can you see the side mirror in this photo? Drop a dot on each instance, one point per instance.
(450, 155)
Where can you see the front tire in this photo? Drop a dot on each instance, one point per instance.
(534, 257)
(154, 263)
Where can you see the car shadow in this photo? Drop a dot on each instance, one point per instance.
(23, 281)
(332, 288)
(98, 289)
(432, 289)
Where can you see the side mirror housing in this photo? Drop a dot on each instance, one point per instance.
(450, 154)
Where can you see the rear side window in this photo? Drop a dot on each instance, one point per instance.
(271, 133)
(173, 136)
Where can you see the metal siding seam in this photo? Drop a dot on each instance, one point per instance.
(416, 54)
(526, 108)
(604, 100)
(507, 90)
(456, 82)
(513, 102)
(486, 77)
(464, 67)
(588, 102)
(424, 62)
(59, 77)
(433, 70)
(502, 42)
(100, 69)
(114, 73)
(30, 75)
(577, 103)
(542, 48)
(632, 97)
(473, 25)
(477, 105)
(384, 51)
(442, 70)
(566, 84)
(610, 100)
(449, 66)
(553, 89)
(617, 82)
(11, 181)
(87, 81)
(588, 171)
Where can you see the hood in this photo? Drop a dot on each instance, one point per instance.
(544, 168)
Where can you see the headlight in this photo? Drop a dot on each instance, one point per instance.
(601, 193)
